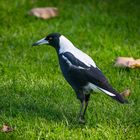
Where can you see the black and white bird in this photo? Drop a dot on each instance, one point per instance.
(80, 71)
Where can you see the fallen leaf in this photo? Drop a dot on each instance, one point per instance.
(126, 93)
(134, 64)
(129, 62)
(6, 128)
(44, 13)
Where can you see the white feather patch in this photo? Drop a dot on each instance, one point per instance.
(90, 87)
(95, 88)
(67, 46)
(68, 62)
(107, 92)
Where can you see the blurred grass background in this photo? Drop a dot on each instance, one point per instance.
(35, 99)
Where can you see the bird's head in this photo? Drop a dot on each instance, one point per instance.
(58, 41)
(52, 39)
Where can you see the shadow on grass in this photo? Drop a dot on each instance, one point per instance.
(34, 104)
(30, 104)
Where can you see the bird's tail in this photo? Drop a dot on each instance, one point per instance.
(118, 97)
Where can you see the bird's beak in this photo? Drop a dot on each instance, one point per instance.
(42, 41)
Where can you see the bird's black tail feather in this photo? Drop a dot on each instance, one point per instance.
(119, 98)
(114, 94)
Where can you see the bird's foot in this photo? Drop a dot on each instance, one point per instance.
(82, 120)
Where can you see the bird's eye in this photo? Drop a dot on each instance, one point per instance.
(50, 38)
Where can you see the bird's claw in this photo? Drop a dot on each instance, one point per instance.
(82, 120)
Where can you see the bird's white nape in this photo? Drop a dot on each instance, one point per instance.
(67, 46)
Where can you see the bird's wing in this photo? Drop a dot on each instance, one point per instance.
(92, 75)
(71, 58)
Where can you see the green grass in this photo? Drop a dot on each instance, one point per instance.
(35, 99)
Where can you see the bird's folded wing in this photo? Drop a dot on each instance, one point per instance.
(91, 74)
(95, 76)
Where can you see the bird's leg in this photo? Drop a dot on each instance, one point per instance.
(87, 97)
(81, 114)
(81, 96)
(86, 105)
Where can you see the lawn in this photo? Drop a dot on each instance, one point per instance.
(36, 101)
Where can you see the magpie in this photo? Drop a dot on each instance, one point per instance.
(80, 71)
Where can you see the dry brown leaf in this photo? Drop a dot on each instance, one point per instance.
(134, 64)
(6, 128)
(129, 62)
(126, 93)
(44, 13)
